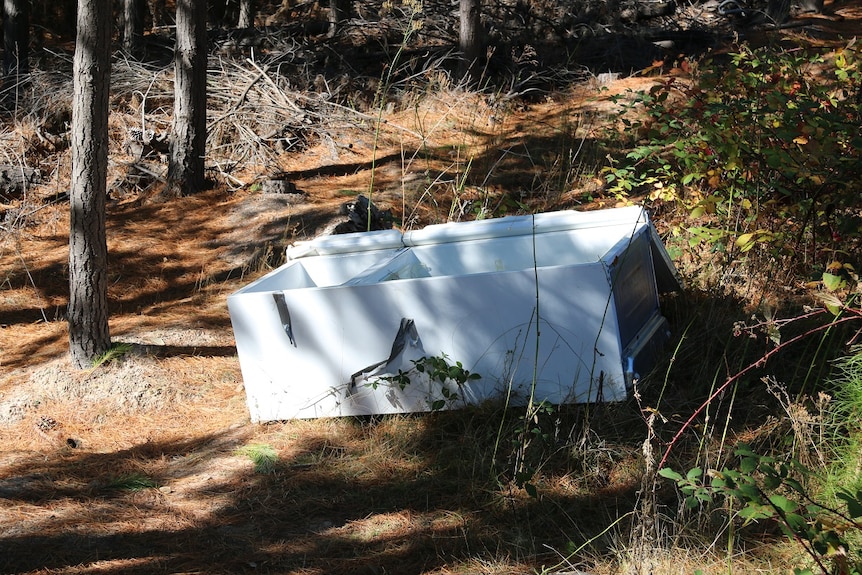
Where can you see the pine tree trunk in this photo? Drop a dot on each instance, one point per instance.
(133, 27)
(188, 137)
(246, 14)
(337, 10)
(470, 38)
(157, 12)
(16, 37)
(87, 314)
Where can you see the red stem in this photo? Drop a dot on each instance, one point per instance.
(856, 316)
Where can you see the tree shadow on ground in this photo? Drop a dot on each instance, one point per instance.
(314, 510)
(400, 494)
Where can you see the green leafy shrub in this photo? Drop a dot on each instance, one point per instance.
(436, 368)
(769, 489)
(764, 148)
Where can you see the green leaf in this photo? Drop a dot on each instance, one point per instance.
(745, 242)
(830, 302)
(694, 473)
(783, 503)
(854, 503)
(787, 531)
(753, 511)
(735, 475)
(703, 494)
(774, 333)
(794, 485)
(833, 282)
(687, 488)
(796, 522)
(689, 178)
(749, 491)
(771, 482)
(748, 465)
(769, 470)
(531, 490)
(669, 473)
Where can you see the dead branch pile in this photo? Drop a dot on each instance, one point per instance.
(276, 90)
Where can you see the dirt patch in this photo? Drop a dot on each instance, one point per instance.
(124, 386)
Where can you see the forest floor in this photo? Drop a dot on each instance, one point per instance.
(146, 464)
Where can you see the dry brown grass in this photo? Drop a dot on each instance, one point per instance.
(400, 494)
(407, 494)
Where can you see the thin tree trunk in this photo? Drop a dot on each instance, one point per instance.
(246, 14)
(16, 37)
(157, 12)
(470, 38)
(133, 27)
(87, 314)
(188, 137)
(337, 10)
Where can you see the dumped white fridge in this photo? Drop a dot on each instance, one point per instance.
(560, 307)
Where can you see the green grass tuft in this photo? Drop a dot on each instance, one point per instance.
(845, 423)
(263, 456)
(132, 482)
(116, 351)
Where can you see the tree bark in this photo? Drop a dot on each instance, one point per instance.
(470, 38)
(246, 14)
(157, 12)
(133, 27)
(188, 137)
(16, 37)
(337, 11)
(87, 314)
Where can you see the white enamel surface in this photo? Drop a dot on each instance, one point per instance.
(471, 291)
